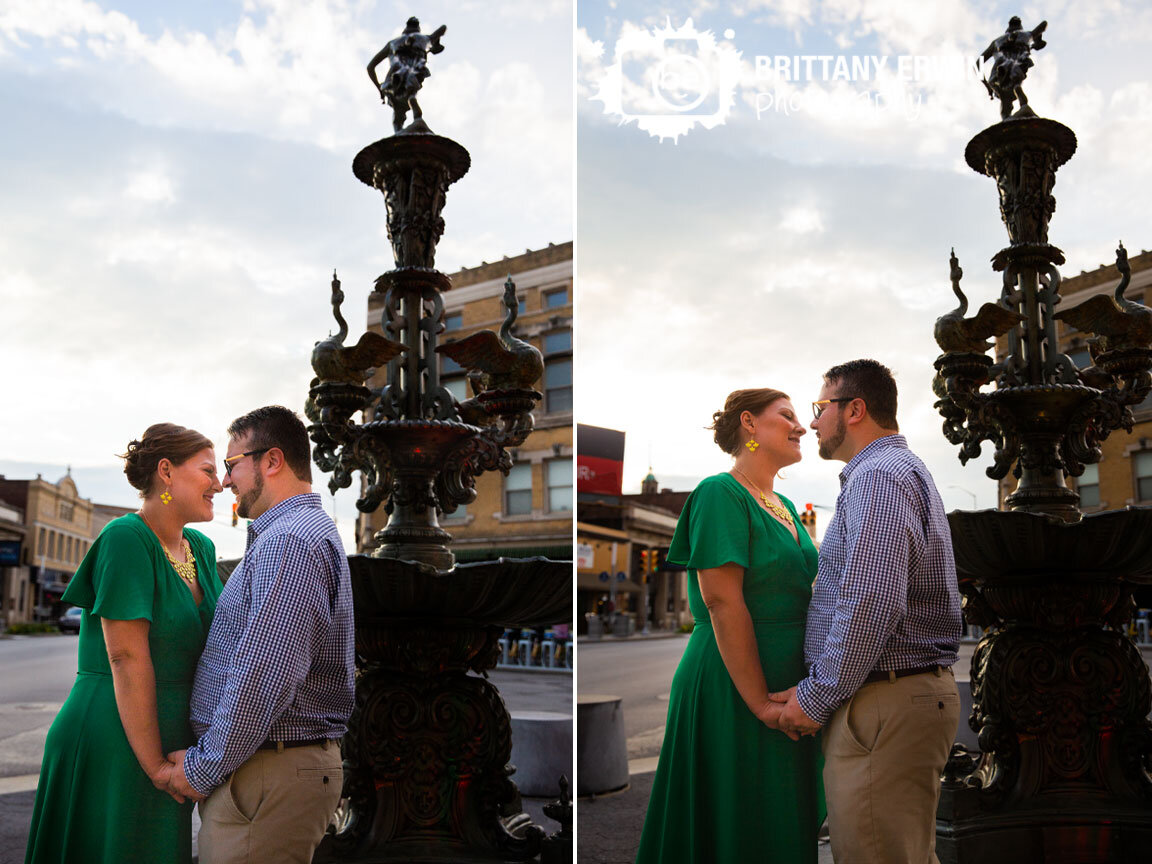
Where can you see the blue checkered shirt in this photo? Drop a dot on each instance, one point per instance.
(279, 659)
(885, 595)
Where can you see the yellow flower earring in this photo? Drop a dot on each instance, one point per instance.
(166, 497)
(751, 445)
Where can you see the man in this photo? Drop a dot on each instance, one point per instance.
(274, 688)
(883, 630)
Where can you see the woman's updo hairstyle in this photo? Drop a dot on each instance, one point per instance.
(726, 423)
(160, 441)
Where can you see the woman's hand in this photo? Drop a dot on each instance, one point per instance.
(769, 714)
(161, 778)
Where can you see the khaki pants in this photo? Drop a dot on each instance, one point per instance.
(884, 750)
(275, 807)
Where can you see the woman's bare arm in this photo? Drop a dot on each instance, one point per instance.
(723, 591)
(134, 682)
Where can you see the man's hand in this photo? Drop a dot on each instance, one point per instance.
(162, 780)
(178, 783)
(769, 715)
(793, 718)
(783, 696)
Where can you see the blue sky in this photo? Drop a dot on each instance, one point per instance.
(178, 190)
(764, 250)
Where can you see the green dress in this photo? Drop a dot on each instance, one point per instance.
(728, 788)
(94, 802)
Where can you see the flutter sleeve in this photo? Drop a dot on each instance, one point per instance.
(713, 528)
(117, 578)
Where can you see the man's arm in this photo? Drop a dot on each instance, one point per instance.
(879, 517)
(289, 612)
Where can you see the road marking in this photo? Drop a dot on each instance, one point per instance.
(25, 783)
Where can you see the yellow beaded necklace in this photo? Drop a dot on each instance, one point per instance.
(779, 511)
(186, 570)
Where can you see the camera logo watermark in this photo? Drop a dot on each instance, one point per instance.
(669, 80)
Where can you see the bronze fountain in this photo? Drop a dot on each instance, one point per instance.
(426, 756)
(1060, 694)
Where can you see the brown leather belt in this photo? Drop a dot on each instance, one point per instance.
(286, 745)
(893, 674)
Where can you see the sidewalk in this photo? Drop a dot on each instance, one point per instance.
(608, 826)
(584, 638)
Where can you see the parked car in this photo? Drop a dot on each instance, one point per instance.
(70, 621)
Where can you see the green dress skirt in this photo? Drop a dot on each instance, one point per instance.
(728, 788)
(94, 802)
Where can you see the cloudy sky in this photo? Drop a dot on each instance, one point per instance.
(813, 224)
(177, 190)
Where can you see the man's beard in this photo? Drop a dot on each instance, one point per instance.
(829, 446)
(245, 502)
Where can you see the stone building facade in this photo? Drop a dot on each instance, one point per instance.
(58, 527)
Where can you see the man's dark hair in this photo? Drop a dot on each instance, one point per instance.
(870, 381)
(276, 426)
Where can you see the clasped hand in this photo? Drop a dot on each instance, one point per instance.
(783, 712)
(170, 778)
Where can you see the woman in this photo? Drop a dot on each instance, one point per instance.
(148, 587)
(729, 786)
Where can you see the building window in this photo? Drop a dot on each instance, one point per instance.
(558, 371)
(559, 485)
(51, 544)
(67, 548)
(453, 320)
(556, 299)
(457, 515)
(518, 490)
(458, 387)
(1142, 464)
(40, 545)
(557, 342)
(1080, 357)
(521, 306)
(1089, 486)
(448, 366)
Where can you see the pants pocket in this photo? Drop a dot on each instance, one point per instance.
(862, 721)
(245, 791)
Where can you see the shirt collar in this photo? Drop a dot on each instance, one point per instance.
(261, 523)
(882, 443)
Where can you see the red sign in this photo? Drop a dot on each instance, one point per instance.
(594, 474)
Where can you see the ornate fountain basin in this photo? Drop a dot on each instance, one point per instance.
(509, 592)
(1030, 548)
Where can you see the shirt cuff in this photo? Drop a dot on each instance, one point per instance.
(818, 710)
(197, 774)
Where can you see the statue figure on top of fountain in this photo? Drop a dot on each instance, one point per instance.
(1011, 59)
(406, 73)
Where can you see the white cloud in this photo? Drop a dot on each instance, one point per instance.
(802, 220)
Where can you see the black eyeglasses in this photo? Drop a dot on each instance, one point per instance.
(818, 407)
(232, 460)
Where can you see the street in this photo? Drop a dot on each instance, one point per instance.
(38, 672)
(641, 670)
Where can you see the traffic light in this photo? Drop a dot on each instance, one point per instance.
(235, 515)
(808, 517)
(643, 560)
